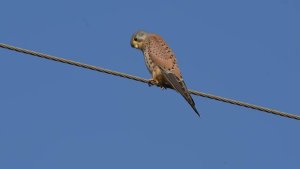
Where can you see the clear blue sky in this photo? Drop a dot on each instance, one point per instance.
(53, 115)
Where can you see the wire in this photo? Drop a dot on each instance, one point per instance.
(124, 75)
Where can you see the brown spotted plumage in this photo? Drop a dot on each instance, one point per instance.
(161, 63)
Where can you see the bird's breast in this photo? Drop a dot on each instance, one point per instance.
(149, 63)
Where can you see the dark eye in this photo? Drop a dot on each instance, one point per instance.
(135, 39)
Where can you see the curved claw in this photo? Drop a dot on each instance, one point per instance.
(152, 82)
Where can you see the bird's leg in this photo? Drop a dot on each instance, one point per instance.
(157, 78)
(154, 80)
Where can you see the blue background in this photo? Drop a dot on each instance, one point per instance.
(53, 115)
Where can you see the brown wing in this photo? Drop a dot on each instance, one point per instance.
(162, 55)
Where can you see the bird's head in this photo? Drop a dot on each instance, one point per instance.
(138, 39)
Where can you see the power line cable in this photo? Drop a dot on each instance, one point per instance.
(124, 75)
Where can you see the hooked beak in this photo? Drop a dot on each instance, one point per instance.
(134, 44)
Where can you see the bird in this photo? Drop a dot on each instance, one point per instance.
(161, 64)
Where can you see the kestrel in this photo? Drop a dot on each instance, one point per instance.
(161, 63)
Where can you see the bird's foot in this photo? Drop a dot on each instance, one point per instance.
(153, 82)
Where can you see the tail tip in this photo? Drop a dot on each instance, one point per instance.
(196, 111)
